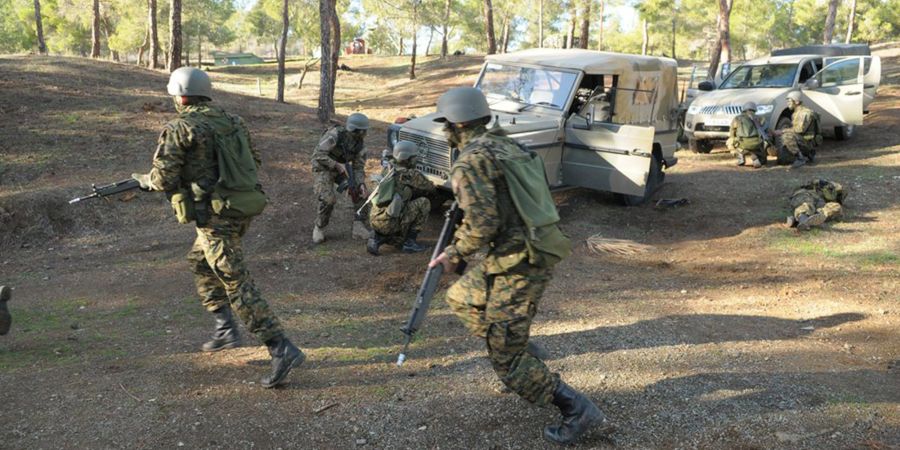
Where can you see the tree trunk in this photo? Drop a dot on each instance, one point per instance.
(829, 21)
(600, 32)
(174, 60)
(585, 25)
(400, 52)
(39, 27)
(326, 87)
(489, 27)
(154, 36)
(645, 40)
(570, 36)
(415, 33)
(444, 48)
(430, 39)
(95, 31)
(143, 47)
(506, 27)
(541, 24)
(673, 34)
(850, 22)
(104, 26)
(335, 47)
(723, 43)
(282, 44)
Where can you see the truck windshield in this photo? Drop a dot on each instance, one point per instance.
(766, 76)
(549, 88)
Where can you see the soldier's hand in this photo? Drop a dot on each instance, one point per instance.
(443, 260)
(363, 191)
(341, 169)
(143, 179)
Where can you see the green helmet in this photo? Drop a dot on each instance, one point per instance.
(749, 106)
(190, 82)
(357, 121)
(795, 96)
(405, 150)
(461, 105)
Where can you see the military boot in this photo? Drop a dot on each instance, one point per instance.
(318, 235)
(579, 414)
(755, 161)
(285, 356)
(410, 245)
(5, 318)
(226, 334)
(807, 222)
(790, 222)
(374, 242)
(359, 230)
(740, 159)
(799, 162)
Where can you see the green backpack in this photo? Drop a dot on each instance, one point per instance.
(237, 193)
(527, 183)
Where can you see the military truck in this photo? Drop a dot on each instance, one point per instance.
(840, 88)
(602, 121)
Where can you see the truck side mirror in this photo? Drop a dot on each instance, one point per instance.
(706, 86)
(812, 83)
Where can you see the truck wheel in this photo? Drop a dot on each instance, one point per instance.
(699, 146)
(654, 181)
(843, 133)
(783, 122)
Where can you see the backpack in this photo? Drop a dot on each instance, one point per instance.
(237, 193)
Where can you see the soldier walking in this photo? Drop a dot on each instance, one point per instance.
(339, 147)
(498, 299)
(400, 216)
(800, 140)
(207, 168)
(744, 139)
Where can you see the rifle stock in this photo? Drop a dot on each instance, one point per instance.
(432, 278)
(109, 189)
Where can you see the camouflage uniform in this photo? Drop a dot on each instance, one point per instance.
(818, 197)
(498, 299)
(185, 155)
(744, 139)
(337, 146)
(800, 138)
(412, 186)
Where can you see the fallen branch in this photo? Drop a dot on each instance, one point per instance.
(129, 393)
(328, 406)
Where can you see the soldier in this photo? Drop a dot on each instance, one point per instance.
(498, 299)
(399, 219)
(816, 203)
(337, 147)
(743, 137)
(800, 140)
(5, 318)
(192, 148)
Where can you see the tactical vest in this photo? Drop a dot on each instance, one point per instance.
(747, 136)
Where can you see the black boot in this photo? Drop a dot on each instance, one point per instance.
(374, 242)
(740, 159)
(410, 245)
(579, 414)
(5, 318)
(226, 334)
(285, 356)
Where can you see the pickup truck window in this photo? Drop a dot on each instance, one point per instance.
(840, 73)
(764, 76)
(528, 86)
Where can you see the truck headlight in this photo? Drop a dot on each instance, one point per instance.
(694, 109)
(764, 109)
(393, 135)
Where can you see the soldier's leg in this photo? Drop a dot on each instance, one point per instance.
(412, 221)
(214, 298)
(832, 211)
(467, 299)
(792, 143)
(323, 187)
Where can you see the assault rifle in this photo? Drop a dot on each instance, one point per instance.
(109, 189)
(763, 134)
(432, 277)
(351, 184)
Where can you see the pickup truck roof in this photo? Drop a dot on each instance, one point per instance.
(591, 62)
(826, 50)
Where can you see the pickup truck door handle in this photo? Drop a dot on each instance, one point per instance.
(853, 93)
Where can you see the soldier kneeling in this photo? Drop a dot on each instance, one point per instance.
(816, 203)
(400, 206)
(744, 139)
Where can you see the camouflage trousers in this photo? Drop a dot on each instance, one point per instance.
(753, 154)
(794, 144)
(500, 308)
(222, 278)
(412, 219)
(324, 188)
(809, 203)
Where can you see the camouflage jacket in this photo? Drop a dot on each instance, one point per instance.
(490, 219)
(337, 146)
(802, 121)
(743, 133)
(409, 183)
(186, 150)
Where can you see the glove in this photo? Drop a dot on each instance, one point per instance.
(143, 179)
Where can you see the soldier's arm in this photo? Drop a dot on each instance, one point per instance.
(732, 130)
(477, 197)
(359, 165)
(321, 154)
(421, 186)
(174, 140)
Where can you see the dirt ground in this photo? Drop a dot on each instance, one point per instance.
(732, 332)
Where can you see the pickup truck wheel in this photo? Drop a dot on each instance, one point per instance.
(783, 122)
(699, 146)
(843, 133)
(654, 181)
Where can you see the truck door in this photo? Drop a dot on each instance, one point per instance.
(606, 156)
(838, 96)
(871, 79)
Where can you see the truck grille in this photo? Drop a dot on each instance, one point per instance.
(725, 110)
(434, 154)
